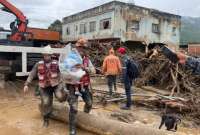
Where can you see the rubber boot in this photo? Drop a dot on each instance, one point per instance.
(45, 121)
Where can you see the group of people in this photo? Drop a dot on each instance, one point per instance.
(51, 82)
(114, 66)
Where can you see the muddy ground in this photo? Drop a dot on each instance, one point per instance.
(19, 115)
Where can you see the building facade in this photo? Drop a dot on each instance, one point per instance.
(194, 49)
(124, 21)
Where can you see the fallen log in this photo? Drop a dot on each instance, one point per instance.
(124, 97)
(155, 90)
(173, 98)
(103, 126)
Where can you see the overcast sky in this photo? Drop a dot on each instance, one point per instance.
(41, 13)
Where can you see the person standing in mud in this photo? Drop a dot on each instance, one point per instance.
(111, 68)
(49, 76)
(126, 78)
(81, 88)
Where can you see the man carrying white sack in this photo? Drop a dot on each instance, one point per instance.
(80, 87)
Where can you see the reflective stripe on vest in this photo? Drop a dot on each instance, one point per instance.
(85, 80)
(47, 75)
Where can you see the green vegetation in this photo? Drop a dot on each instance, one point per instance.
(190, 30)
(56, 26)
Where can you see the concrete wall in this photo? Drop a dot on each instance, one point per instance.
(121, 15)
(74, 35)
(146, 19)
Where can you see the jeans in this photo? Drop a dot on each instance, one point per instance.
(112, 82)
(127, 85)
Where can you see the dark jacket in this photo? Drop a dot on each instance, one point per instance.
(194, 64)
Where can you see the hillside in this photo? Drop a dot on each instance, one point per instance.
(190, 30)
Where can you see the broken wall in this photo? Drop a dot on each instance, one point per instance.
(168, 25)
(150, 26)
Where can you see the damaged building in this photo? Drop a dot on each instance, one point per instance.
(124, 21)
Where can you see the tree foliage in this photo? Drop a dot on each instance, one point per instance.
(56, 26)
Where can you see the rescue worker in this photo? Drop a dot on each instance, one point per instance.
(126, 80)
(188, 61)
(81, 88)
(111, 68)
(191, 62)
(48, 73)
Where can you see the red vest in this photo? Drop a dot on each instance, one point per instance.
(85, 80)
(48, 75)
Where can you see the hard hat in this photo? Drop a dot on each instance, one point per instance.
(121, 50)
(82, 42)
(47, 50)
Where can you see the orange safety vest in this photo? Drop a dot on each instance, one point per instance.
(48, 76)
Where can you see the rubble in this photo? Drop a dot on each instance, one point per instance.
(160, 73)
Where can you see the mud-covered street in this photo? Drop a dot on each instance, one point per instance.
(19, 115)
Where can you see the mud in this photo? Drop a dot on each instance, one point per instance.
(19, 115)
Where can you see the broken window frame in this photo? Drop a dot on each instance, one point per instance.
(105, 24)
(155, 28)
(174, 31)
(83, 28)
(93, 26)
(134, 25)
(68, 31)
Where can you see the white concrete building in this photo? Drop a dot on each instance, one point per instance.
(124, 21)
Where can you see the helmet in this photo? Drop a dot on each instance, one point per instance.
(121, 50)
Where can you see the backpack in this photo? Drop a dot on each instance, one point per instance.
(132, 69)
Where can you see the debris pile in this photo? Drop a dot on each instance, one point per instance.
(160, 73)
(98, 51)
